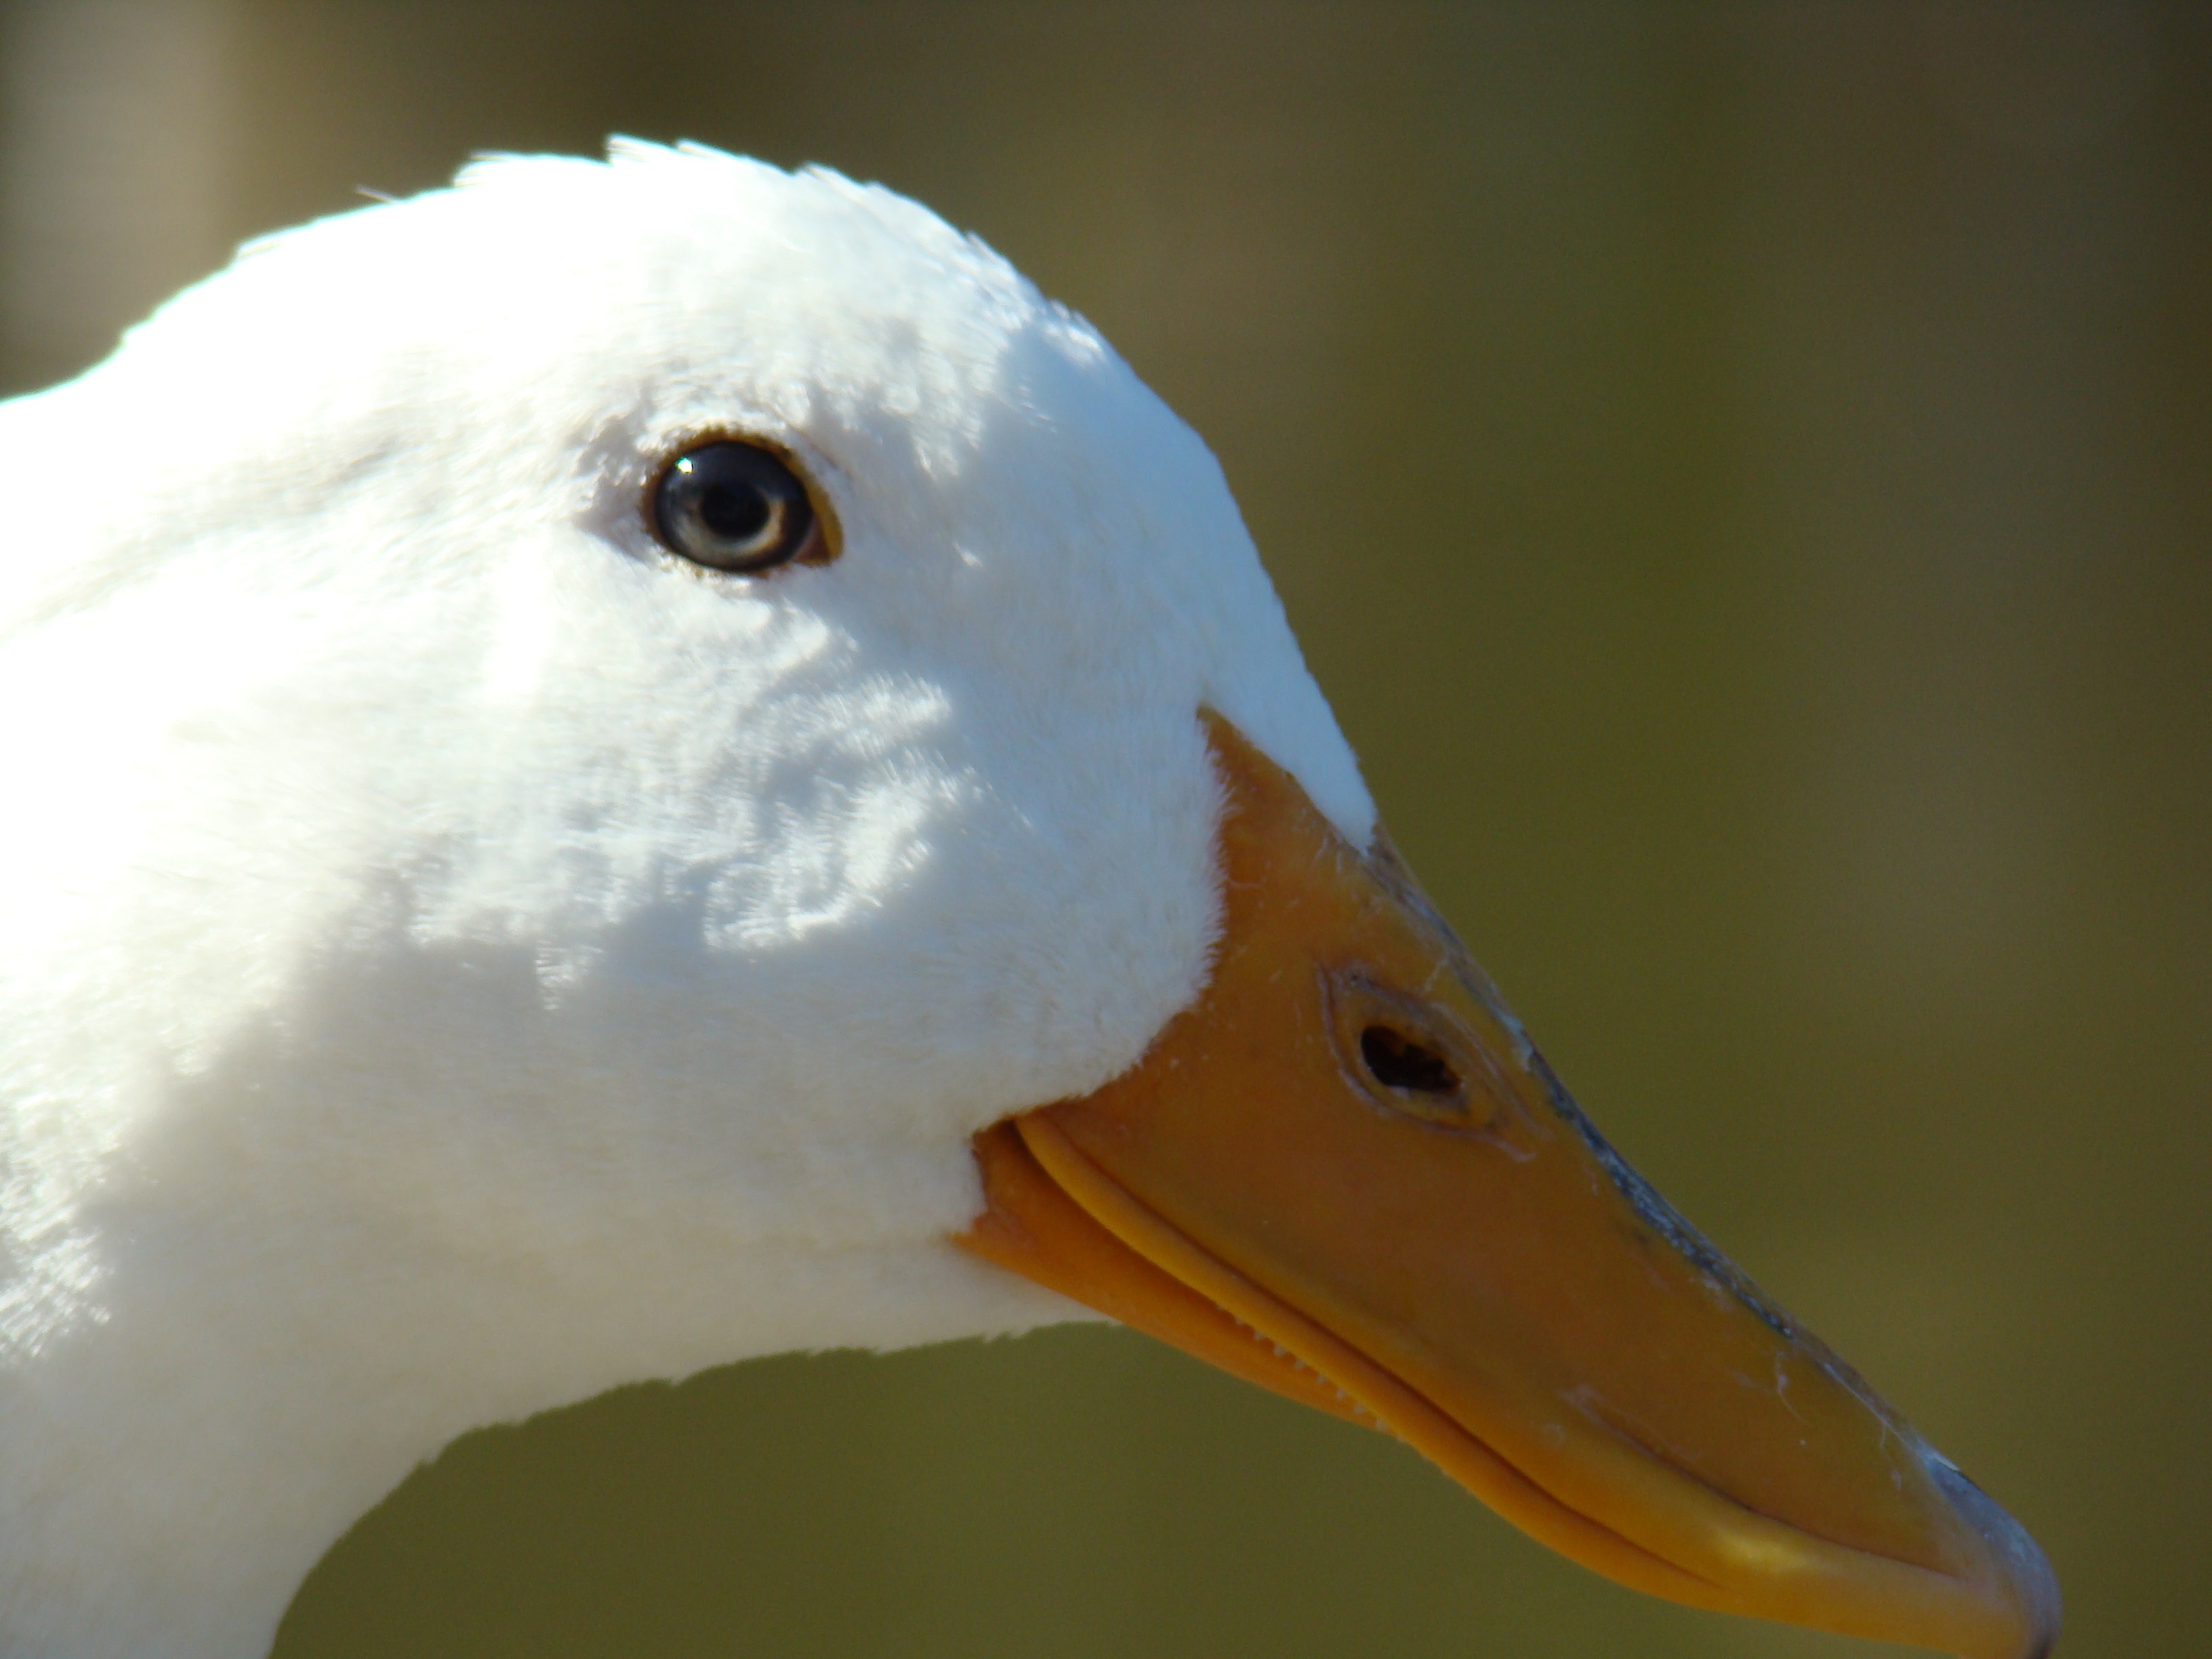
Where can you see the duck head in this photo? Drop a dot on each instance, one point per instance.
(630, 765)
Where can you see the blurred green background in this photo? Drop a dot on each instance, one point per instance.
(1744, 476)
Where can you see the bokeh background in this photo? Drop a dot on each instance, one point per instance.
(1744, 475)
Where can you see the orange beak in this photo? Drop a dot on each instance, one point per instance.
(1345, 1174)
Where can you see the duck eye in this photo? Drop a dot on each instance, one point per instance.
(733, 506)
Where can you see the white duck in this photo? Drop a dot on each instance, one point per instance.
(576, 743)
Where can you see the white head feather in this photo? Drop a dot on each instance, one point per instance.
(456, 958)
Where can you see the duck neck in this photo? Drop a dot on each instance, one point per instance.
(177, 1467)
(242, 1390)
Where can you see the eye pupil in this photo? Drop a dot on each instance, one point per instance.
(737, 516)
(734, 505)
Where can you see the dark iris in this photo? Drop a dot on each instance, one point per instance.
(733, 506)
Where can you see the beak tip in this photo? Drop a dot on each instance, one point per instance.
(2019, 1561)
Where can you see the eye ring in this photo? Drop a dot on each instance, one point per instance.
(738, 506)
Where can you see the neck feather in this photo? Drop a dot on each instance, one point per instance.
(178, 1464)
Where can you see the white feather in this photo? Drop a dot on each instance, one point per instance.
(455, 958)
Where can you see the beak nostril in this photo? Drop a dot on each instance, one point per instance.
(1407, 1055)
(1398, 1062)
